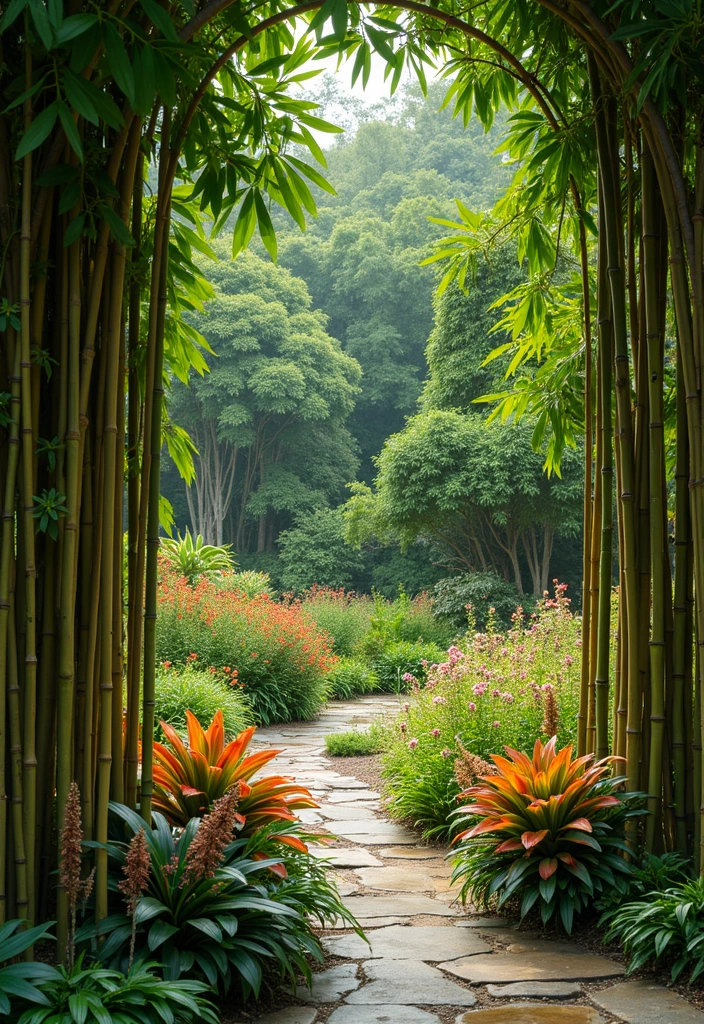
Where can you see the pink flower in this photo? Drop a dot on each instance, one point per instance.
(496, 725)
(446, 752)
(479, 689)
(406, 706)
(408, 677)
(507, 698)
(412, 744)
(403, 726)
(567, 661)
(435, 733)
(439, 700)
(472, 706)
(496, 693)
(455, 654)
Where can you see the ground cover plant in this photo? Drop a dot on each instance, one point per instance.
(546, 830)
(279, 658)
(490, 689)
(355, 742)
(666, 925)
(203, 693)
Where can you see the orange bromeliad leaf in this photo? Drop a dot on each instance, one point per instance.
(531, 839)
(187, 780)
(547, 867)
(580, 823)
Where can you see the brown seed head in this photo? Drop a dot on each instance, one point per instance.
(469, 767)
(136, 870)
(549, 726)
(214, 834)
(70, 846)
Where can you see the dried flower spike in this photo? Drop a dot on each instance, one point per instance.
(214, 834)
(136, 870)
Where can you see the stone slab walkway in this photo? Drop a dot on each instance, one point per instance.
(427, 960)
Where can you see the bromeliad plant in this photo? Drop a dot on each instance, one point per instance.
(210, 910)
(195, 558)
(550, 832)
(188, 779)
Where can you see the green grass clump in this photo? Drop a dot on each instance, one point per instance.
(351, 677)
(354, 743)
(344, 616)
(203, 693)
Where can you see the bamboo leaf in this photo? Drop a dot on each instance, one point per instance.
(116, 224)
(69, 127)
(266, 228)
(73, 26)
(38, 130)
(119, 62)
(14, 9)
(159, 17)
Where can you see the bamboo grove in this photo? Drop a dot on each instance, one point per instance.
(125, 127)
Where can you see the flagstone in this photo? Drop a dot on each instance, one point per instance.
(291, 1015)
(391, 1014)
(339, 812)
(507, 967)
(378, 838)
(641, 1002)
(341, 798)
(407, 982)
(399, 906)
(535, 990)
(533, 1013)
(410, 853)
(328, 986)
(409, 942)
(396, 879)
(356, 857)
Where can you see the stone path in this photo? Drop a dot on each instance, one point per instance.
(428, 960)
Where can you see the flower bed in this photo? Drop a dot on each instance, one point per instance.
(270, 651)
(493, 689)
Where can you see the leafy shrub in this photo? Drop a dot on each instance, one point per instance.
(549, 831)
(667, 924)
(189, 779)
(314, 551)
(354, 743)
(249, 583)
(278, 657)
(343, 615)
(655, 874)
(22, 979)
(142, 997)
(204, 694)
(222, 919)
(419, 623)
(402, 662)
(351, 678)
(492, 689)
(483, 591)
(194, 558)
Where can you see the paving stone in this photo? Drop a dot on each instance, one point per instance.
(381, 1015)
(532, 1013)
(405, 982)
(341, 798)
(409, 853)
(396, 879)
(378, 838)
(397, 906)
(409, 942)
(291, 1015)
(343, 782)
(365, 923)
(355, 857)
(329, 986)
(482, 922)
(507, 967)
(343, 813)
(368, 826)
(529, 945)
(535, 990)
(641, 1002)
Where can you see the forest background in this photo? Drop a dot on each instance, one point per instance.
(339, 367)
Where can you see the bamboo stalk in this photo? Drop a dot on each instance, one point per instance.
(658, 552)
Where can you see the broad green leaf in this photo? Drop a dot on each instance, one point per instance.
(160, 18)
(69, 127)
(38, 130)
(119, 61)
(73, 26)
(14, 9)
(116, 224)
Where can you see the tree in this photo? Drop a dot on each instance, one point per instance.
(276, 384)
(314, 552)
(476, 487)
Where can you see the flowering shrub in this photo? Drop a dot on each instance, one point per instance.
(550, 831)
(491, 689)
(269, 650)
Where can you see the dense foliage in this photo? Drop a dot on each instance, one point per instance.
(203, 693)
(491, 689)
(269, 649)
